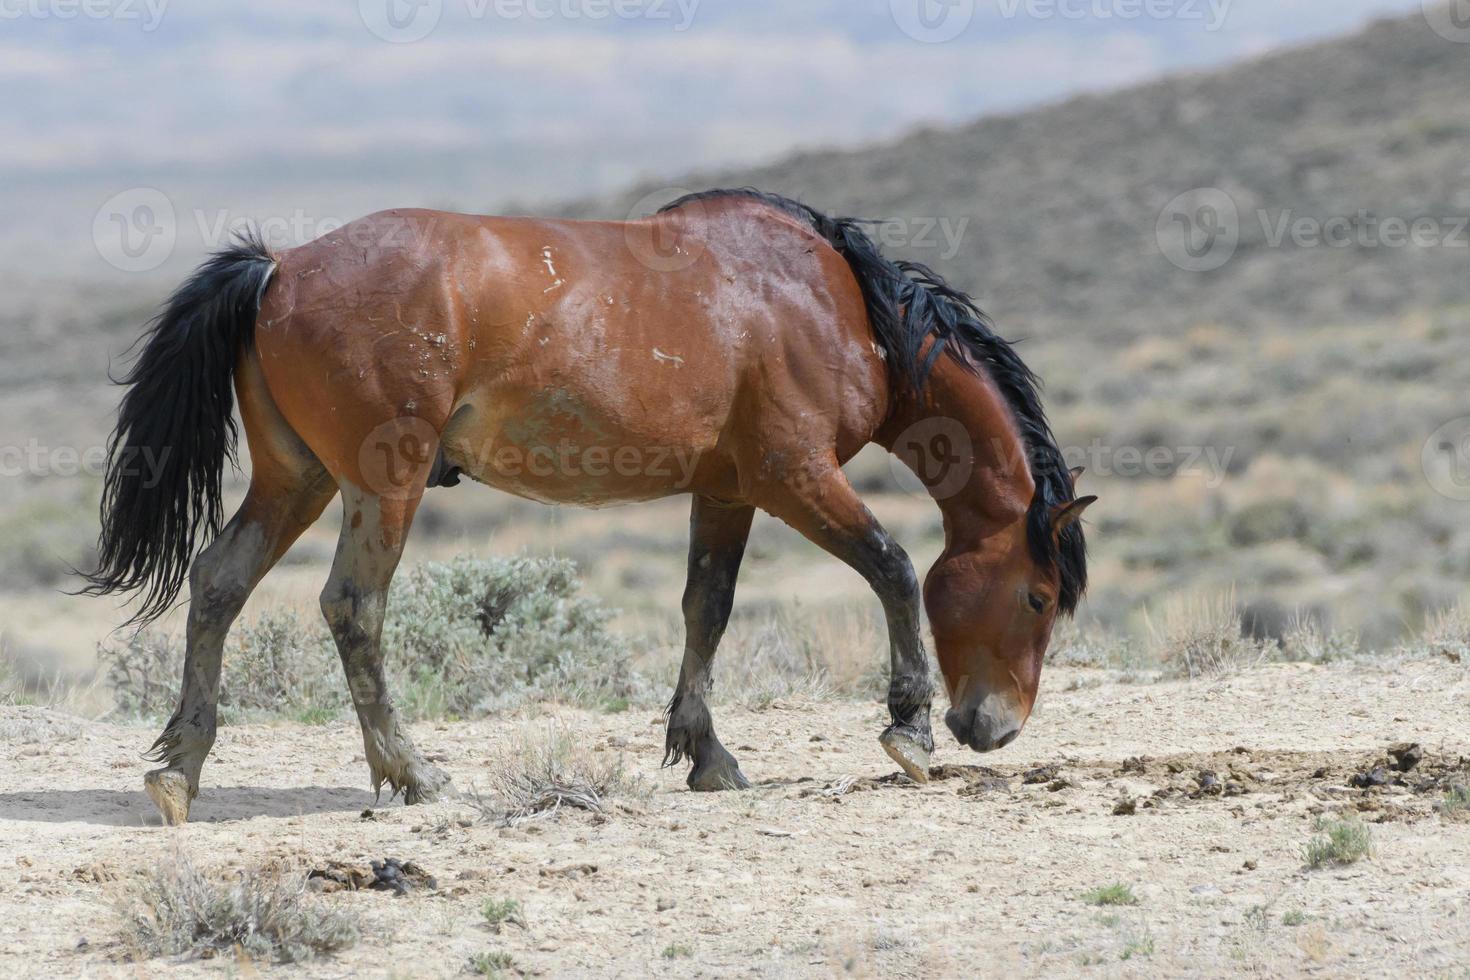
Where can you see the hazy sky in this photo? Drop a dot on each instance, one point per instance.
(349, 105)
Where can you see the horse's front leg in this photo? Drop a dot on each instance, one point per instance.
(823, 506)
(717, 533)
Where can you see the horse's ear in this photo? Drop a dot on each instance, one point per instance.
(1064, 514)
(1076, 474)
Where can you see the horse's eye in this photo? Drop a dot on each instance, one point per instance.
(1037, 604)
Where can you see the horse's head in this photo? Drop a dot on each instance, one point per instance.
(992, 608)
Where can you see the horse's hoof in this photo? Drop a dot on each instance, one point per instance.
(716, 779)
(426, 784)
(170, 792)
(908, 752)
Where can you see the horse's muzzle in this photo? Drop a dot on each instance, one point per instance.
(982, 730)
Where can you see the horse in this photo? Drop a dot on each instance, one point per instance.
(759, 342)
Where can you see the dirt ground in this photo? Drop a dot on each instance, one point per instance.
(833, 864)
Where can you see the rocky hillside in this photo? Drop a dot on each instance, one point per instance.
(1317, 150)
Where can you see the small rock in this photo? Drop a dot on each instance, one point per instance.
(665, 903)
(1406, 755)
(1376, 776)
(1205, 889)
(1126, 807)
(1209, 783)
(1041, 774)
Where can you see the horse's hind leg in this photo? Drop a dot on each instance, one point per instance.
(275, 512)
(823, 506)
(717, 534)
(354, 602)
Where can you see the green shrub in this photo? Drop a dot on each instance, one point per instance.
(1114, 894)
(500, 913)
(276, 665)
(144, 671)
(1338, 841)
(470, 636)
(491, 964)
(1456, 800)
(460, 638)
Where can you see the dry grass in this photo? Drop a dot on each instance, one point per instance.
(261, 914)
(1447, 633)
(1201, 636)
(544, 771)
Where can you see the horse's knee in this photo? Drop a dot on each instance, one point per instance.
(337, 604)
(894, 573)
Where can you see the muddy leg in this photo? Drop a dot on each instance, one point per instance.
(824, 507)
(717, 534)
(221, 579)
(354, 601)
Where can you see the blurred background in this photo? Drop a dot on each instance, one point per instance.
(1231, 235)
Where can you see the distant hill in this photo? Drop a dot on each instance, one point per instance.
(1062, 203)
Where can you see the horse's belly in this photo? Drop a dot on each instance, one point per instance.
(560, 445)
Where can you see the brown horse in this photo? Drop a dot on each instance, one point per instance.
(738, 347)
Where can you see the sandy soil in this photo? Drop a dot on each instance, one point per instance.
(833, 864)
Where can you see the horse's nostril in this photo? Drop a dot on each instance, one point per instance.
(1007, 738)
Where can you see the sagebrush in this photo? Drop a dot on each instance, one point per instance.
(461, 638)
(263, 913)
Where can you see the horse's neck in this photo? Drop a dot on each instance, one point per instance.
(960, 439)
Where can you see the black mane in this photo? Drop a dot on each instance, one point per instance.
(908, 304)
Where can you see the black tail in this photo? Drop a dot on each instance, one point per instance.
(908, 306)
(175, 429)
